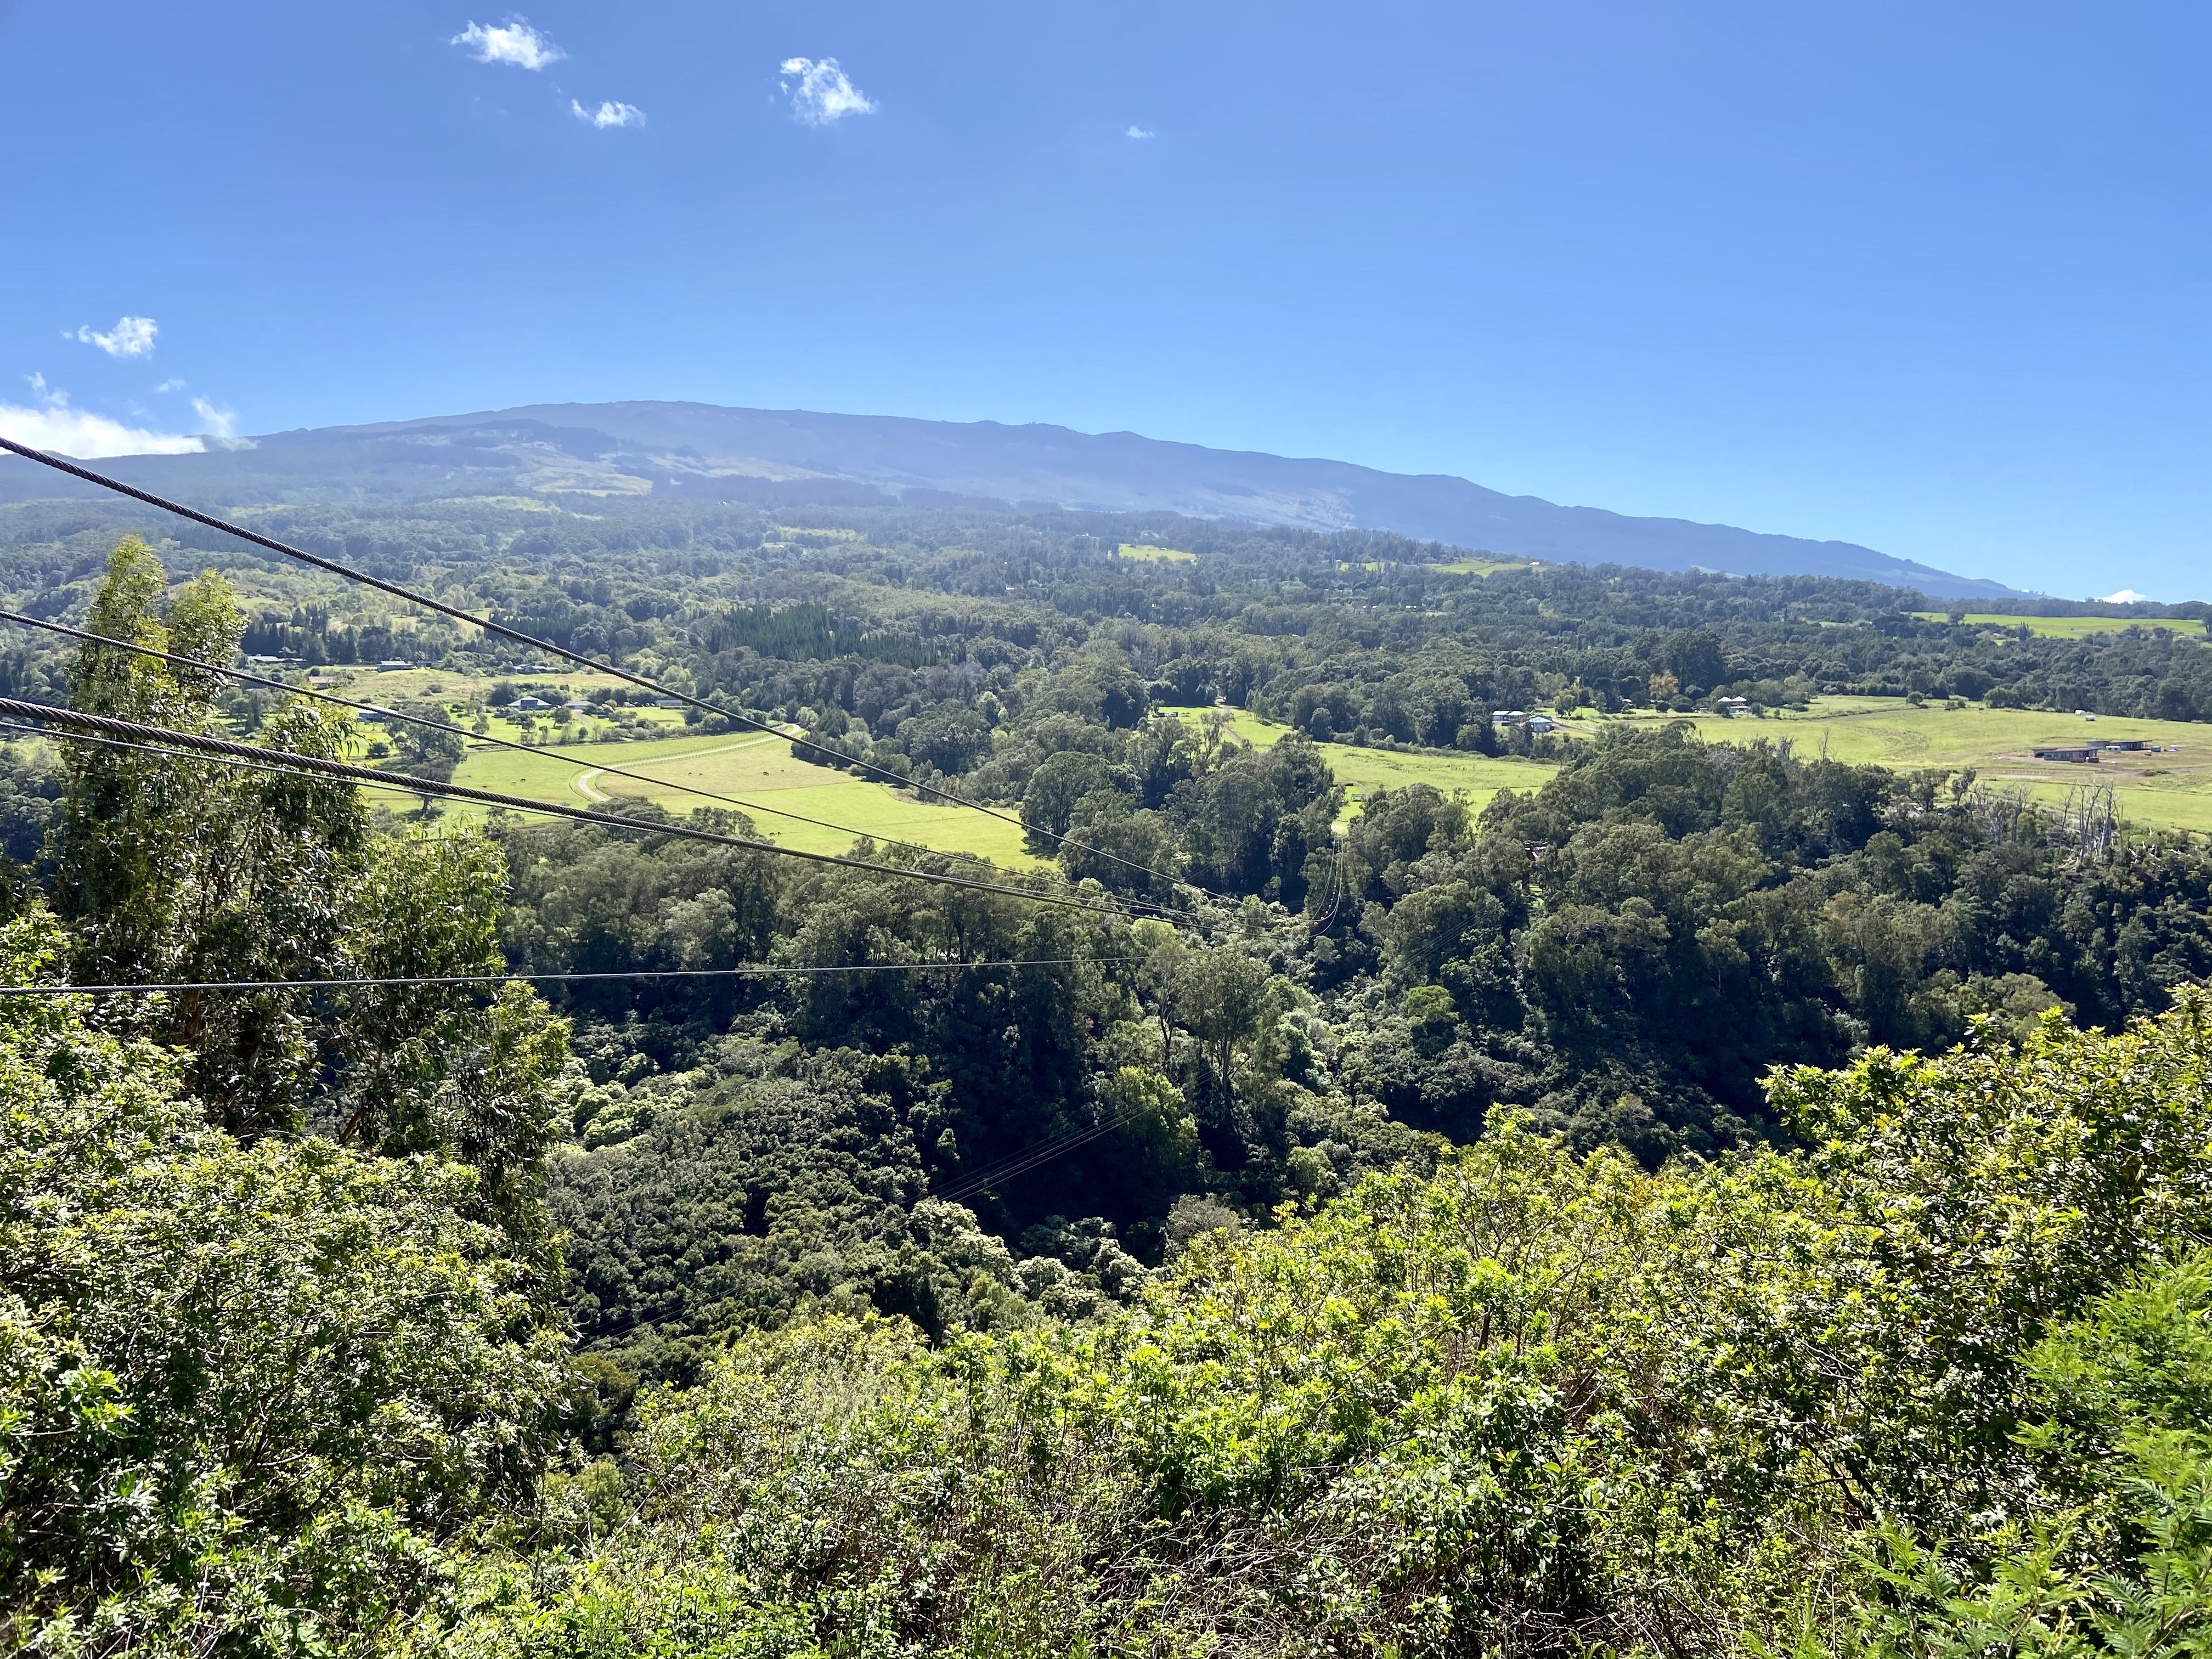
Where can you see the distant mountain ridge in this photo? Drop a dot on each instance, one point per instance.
(702, 451)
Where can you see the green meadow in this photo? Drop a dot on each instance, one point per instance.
(1145, 553)
(2170, 790)
(1479, 777)
(2067, 627)
(755, 773)
(1481, 567)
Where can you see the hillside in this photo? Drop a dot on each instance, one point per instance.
(703, 453)
(1253, 1184)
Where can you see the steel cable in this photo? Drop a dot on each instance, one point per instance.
(23, 620)
(60, 464)
(129, 734)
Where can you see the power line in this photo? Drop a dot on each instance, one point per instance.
(309, 767)
(1030, 1158)
(59, 464)
(1021, 1163)
(129, 734)
(744, 970)
(441, 726)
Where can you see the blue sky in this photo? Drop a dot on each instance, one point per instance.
(1933, 278)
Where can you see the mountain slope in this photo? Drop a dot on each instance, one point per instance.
(700, 451)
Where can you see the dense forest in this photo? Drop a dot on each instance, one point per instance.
(1717, 1199)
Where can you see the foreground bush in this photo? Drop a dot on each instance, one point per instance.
(249, 1394)
(1537, 1404)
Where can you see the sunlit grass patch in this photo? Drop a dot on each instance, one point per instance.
(2067, 628)
(754, 772)
(1364, 771)
(2171, 790)
(1482, 567)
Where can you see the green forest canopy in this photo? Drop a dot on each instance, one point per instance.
(1529, 1230)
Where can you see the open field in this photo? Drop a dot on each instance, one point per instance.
(1478, 566)
(2068, 628)
(1148, 554)
(1366, 770)
(759, 771)
(2170, 790)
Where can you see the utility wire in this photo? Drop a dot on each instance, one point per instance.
(406, 784)
(1021, 1163)
(744, 970)
(401, 783)
(60, 465)
(192, 745)
(18, 617)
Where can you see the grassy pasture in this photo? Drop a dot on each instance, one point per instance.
(1145, 553)
(757, 770)
(2165, 790)
(1366, 770)
(1477, 567)
(2172, 791)
(760, 772)
(2067, 627)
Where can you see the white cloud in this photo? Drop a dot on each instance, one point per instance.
(512, 42)
(1139, 132)
(169, 385)
(221, 426)
(131, 337)
(2125, 595)
(608, 115)
(821, 94)
(77, 432)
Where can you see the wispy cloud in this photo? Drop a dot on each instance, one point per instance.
(608, 115)
(1139, 132)
(512, 42)
(169, 385)
(54, 425)
(219, 426)
(821, 93)
(131, 337)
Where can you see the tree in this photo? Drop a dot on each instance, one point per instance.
(420, 1068)
(1694, 655)
(1220, 996)
(1054, 789)
(250, 1392)
(179, 870)
(1124, 850)
(427, 751)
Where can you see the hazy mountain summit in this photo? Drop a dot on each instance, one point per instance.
(703, 452)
